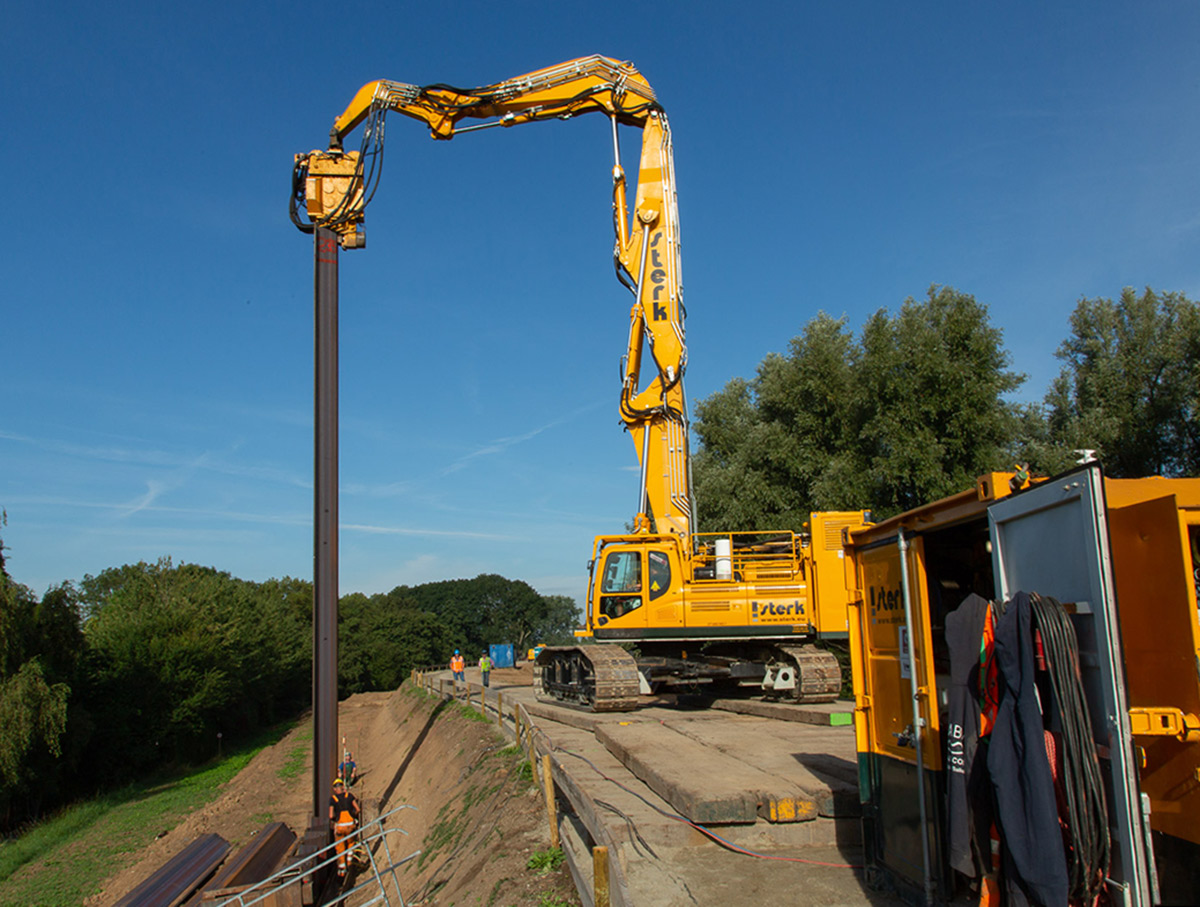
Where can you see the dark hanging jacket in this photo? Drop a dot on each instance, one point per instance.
(967, 795)
(1020, 770)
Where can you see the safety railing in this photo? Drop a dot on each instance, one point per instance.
(379, 884)
(746, 556)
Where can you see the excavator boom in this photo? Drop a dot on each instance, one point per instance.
(557, 92)
(334, 187)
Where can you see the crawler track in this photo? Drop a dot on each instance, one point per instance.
(598, 678)
(818, 674)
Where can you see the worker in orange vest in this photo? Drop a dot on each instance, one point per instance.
(343, 816)
(458, 665)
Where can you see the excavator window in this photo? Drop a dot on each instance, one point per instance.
(660, 573)
(1194, 541)
(622, 584)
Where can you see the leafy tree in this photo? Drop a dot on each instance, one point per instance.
(558, 623)
(36, 652)
(911, 411)
(931, 410)
(381, 640)
(176, 654)
(399, 641)
(32, 712)
(1130, 385)
(383, 637)
(487, 609)
(511, 611)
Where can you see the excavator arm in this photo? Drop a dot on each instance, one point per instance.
(557, 92)
(334, 187)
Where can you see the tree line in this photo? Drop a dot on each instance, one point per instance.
(919, 404)
(141, 667)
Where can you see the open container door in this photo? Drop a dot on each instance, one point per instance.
(1053, 539)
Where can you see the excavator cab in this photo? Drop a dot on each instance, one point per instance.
(621, 584)
(633, 577)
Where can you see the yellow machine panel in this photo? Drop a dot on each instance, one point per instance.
(1155, 530)
(889, 657)
(829, 532)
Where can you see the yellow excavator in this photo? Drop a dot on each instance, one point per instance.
(706, 611)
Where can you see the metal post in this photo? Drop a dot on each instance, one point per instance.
(325, 520)
(918, 718)
(645, 465)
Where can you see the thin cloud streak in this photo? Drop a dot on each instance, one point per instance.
(438, 533)
(502, 444)
(158, 458)
(153, 491)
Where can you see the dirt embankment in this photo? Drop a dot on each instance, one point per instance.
(478, 817)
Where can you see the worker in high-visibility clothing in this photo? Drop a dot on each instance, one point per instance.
(458, 665)
(343, 816)
(348, 768)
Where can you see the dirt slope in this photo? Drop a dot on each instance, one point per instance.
(478, 818)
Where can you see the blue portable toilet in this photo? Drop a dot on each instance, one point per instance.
(501, 655)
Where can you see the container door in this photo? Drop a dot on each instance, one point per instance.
(1053, 539)
(1156, 593)
(886, 728)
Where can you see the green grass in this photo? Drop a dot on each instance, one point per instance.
(471, 712)
(496, 891)
(448, 828)
(64, 859)
(544, 861)
(293, 764)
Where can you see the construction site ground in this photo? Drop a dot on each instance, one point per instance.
(657, 787)
(478, 818)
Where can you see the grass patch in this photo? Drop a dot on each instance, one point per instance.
(64, 859)
(545, 861)
(446, 832)
(471, 712)
(479, 794)
(496, 892)
(293, 765)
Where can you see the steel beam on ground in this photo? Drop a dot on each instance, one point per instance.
(253, 863)
(179, 876)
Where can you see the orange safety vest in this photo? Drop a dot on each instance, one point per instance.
(344, 809)
(457, 663)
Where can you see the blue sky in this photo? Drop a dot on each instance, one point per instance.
(838, 157)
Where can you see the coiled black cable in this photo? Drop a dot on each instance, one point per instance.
(1088, 851)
